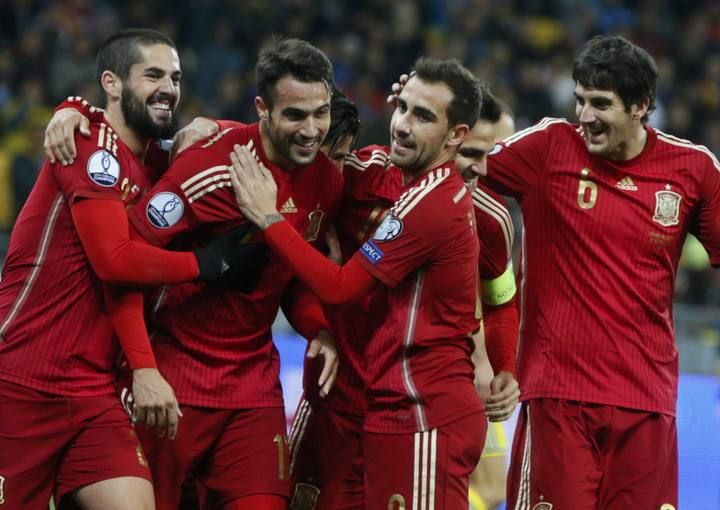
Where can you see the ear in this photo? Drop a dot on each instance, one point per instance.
(457, 135)
(261, 108)
(639, 110)
(111, 84)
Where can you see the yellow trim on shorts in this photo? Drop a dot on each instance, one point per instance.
(495, 441)
(500, 290)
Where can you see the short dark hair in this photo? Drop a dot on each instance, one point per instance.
(465, 105)
(120, 51)
(344, 119)
(490, 107)
(611, 62)
(292, 57)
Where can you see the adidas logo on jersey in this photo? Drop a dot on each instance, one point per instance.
(627, 184)
(288, 207)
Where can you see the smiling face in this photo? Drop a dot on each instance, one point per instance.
(298, 121)
(471, 159)
(419, 127)
(151, 92)
(608, 126)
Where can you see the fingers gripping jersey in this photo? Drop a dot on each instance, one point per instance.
(214, 344)
(601, 245)
(426, 252)
(55, 335)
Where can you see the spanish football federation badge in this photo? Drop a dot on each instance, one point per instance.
(667, 207)
(305, 497)
(314, 222)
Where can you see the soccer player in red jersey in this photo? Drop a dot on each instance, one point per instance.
(67, 431)
(424, 423)
(215, 344)
(500, 324)
(607, 204)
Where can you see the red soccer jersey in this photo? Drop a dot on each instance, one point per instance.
(495, 232)
(372, 185)
(214, 345)
(601, 246)
(55, 335)
(419, 360)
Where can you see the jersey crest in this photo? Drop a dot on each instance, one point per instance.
(667, 208)
(315, 221)
(305, 497)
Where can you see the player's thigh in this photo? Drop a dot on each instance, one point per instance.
(641, 463)
(424, 469)
(34, 428)
(249, 457)
(324, 444)
(106, 447)
(174, 462)
(553, 459)
(124, 493)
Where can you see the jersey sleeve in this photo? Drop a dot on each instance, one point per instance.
(707, 225)
(515, 165)
(96, 172)
(411, 233)
(196, 190)
(93, 113)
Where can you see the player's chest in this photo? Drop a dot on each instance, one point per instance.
(306, 208)
(622, 205)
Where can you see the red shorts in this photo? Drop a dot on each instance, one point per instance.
(231, 453)
(326, 467)
(55, 444)
(423, 469)
(572, 455)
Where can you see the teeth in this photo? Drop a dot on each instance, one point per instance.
(160, 106)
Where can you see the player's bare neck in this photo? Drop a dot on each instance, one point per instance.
(631, 146)
(271, 153)
(136, 144)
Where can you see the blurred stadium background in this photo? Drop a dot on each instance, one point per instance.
(522, 48)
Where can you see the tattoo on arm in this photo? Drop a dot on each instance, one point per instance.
(270, 219)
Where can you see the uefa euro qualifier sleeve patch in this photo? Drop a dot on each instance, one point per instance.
(103, 169)
(165, 209)
(389, 229)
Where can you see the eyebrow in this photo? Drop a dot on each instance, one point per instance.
(292, 110)
(471, 151)
(595, 99)
(159, 70)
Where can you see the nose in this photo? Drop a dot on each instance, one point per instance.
(479, 169)
(401, 127)
(309, 128)
(167, 86)
(585, 114)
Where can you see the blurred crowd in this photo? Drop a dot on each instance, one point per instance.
(522, 48)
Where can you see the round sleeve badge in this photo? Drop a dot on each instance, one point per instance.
(389, 229)
(165, 209)
(103, 169)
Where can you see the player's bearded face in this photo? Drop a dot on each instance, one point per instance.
(419, 126)
(151, 92)
(298, 121)
(138, 117)
(605, 121)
